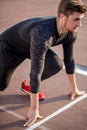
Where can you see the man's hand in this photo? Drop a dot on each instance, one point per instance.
(75, 91)
(32, 116)
(33, 113)
(74, 94)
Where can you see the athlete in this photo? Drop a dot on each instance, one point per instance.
(33, 39)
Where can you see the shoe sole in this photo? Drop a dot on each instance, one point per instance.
(29, 93)
(25, 91)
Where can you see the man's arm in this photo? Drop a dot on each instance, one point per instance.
(37, 52)
(69, 62)
(33, 113)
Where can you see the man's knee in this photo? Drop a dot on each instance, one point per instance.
(3, 87)
(58, 67)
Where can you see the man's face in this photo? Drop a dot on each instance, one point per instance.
(73, 22)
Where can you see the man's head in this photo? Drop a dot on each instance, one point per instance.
(70, 13)
(68, 7)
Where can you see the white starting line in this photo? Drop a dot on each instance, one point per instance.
(3, 108)
(57, 112)
(12, 113)
(79, 69)
(39, 124)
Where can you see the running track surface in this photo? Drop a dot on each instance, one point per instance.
(59, 112)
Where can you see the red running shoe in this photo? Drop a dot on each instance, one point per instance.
(26, 89)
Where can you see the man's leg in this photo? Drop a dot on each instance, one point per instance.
(53, 64)
(8, 63)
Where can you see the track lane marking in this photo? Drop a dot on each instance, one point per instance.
(3, 108)
(57, 112)
(12, 113)
(81, 69)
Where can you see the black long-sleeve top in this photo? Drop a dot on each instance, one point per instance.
(36, 36)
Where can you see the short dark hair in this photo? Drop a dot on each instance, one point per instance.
(68, 7)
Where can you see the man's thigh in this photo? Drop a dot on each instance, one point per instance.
(8, 63)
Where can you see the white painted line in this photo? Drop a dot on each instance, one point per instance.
(20, 116)
(81, 70)
(57, 112)
(42, 127)
(12, 113)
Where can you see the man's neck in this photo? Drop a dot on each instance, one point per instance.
(60, 26)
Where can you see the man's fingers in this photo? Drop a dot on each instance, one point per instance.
(39, 117)
(26, 124)
(74, 94)
(72, 97)
(80, 93)
(29, 123)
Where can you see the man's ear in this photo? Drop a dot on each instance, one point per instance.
(62, 16)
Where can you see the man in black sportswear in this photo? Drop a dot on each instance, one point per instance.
(33, 39)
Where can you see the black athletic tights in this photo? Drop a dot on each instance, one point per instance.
(10, 61)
